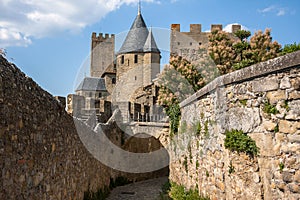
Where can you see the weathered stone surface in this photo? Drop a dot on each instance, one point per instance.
(285, 83)
(265, 85)
(269, 126)
(276, 96)
(294, 138)
(295, 188)
(246, 119)
(296, 83)
(297, 176)
(288, 126)
(44, 158)
(287, 177)
(255, 178)
(294, 95)
(265, 142)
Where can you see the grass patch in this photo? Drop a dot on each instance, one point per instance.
(179, 192)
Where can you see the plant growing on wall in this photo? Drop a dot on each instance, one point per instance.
(178, 81)
(237, 140)
(269, 108)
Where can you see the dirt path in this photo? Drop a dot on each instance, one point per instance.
(144, 190)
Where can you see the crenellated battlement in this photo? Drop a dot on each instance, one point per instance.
(197, 28)
(102, 37)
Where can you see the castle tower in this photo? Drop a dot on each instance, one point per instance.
(139, 49)
(151, 59)
(102, 53)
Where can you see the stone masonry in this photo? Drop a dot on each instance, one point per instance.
(42, 154)
(237, 101)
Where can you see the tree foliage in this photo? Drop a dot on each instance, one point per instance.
(289, 48)
(232, 54)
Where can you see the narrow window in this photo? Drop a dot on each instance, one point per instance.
(135, 58)
(191, 43)
(135, 78)
(113, 80)
(128, 62)
(178, 43)
(100, 95)
(122, 59)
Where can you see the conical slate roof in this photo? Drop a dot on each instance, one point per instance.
(137, 37)
(92, 84)
(150, 44)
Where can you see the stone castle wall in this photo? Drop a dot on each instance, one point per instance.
(42, 155)
(187, 44)
(102, 53)
(236, 101)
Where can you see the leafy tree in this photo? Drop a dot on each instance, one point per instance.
(178, 81)
(262, 48)
(222, 51)
(230, 54)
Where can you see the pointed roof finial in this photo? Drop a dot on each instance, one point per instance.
(139, 8)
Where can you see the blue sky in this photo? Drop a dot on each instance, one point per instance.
(50, 39)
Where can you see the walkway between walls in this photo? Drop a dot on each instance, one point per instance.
(144, 190)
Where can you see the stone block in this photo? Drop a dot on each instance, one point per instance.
(294, 95)
(287, 177)
(240, 118)
(276, 96)
(265, 143)
(285, 83)
(295, 188)
(289, 127)
(296, 83)
(256, 178)
(297, 177)
(294, 138)
(268, 125)
(265, 85)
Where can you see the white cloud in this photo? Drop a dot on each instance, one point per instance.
(228, 27)
(22, 20)
(279, 11)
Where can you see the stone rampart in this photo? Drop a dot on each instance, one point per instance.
(239, 100)
(42, 155)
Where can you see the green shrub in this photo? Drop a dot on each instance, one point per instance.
(197, 164)
(276, 128)
(174, 114)
(289, 48)
(281, 166)
(243, 102)
(185, 164)
(270, 109)
(231, 168)
(197, 128)
(178, 192)
(237, 140)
